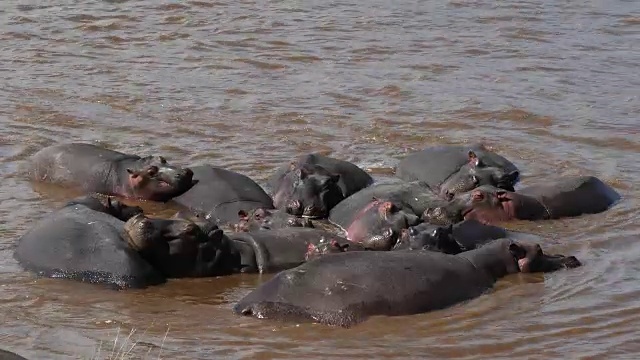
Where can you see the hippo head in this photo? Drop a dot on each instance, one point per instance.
(206, 224)
(530, 258)
(488, 205)
(171, 246)
(267, 219)
(429, 237)
(152, 178)
(379, 224)
(475, 173)
(308, 191)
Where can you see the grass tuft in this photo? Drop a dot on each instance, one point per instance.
(123, 348)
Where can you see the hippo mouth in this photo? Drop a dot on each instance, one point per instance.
(174, 186)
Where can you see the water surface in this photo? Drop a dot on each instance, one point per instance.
(248, 85)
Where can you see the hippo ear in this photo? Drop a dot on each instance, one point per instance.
(473, 159)
(243, 215)
(133, 174)
(517, 251)
(334, 178)
(302, 173)
(292, 166)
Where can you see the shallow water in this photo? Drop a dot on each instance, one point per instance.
(248, 85)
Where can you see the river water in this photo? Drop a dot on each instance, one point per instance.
(247, 85)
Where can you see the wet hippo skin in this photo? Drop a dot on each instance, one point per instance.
(345, 289)
(267, 251)
(97, 170)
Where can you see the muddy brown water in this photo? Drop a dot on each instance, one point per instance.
(247, 85)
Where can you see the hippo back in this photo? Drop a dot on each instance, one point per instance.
(573, 196)
(434, 165)
(81, 244)
(344, 289)
(220, 194)
(414, 197)
(279, 249)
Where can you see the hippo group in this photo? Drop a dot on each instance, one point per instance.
(324, 226)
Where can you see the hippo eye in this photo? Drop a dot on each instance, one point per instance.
(152, 170)
(163, 161)
(413, 231)
(475, 179)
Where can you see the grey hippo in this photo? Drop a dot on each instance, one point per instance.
(376, 215)
(98, 170)
(453, 169)
(100, 240)
(344, 289)
(568, 196)
(8, 355)
(313, 184)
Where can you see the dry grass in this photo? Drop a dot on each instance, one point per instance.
(123, 348)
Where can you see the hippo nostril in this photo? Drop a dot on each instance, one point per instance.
(448, 195)
(294, 207)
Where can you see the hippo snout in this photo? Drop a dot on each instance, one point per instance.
(571, 262)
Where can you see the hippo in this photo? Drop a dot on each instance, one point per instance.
(344, 289)
(453, 169)
(180, 248)
(220, 195)
(95, 169)
(87, 242)
(569, 196)
(313, 184)
(8, 355)
(454, 239)
(375, 216)
(268, 251)
(269, 219)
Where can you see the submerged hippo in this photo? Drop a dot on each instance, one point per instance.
(453, 169)
(269, 219)
(268, 251)
(88, 242)
(454, 239)
(220, 195)
(566, 197)
(99, 170)
(375, 216)
(8, 355)
(346, 288)
(313, 184)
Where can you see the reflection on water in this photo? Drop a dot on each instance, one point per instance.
(249, 85)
